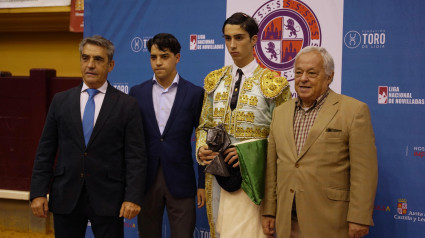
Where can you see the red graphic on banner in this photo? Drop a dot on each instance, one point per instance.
(193, 42)
(382, 94)
(290, 49)
(402, 206)
(273, 30)
(76, 21)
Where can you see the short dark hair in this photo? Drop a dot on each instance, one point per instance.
(99, 41)
(245, 21)
(165, 41)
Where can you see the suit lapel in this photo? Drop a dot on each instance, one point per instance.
(149, 106)
(76, 113)
(289, 123)
(328, 111)
(111, 97)
(178, 101)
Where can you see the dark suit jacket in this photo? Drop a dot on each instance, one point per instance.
(112, 166)
(173, 148)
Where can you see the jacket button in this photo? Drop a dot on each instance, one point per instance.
(291, 190)
(85, 153)
(297, 165)
(82, 175)
(162, 139)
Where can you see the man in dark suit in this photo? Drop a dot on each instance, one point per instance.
(170, 108)
(101, 164)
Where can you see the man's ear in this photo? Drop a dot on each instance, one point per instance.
(331, 78)
(111, 65)
(178, 57)
(254, 40)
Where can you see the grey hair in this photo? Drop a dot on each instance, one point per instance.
(328, 62)
(99, 41)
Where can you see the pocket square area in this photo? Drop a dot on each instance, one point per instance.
(333, 130)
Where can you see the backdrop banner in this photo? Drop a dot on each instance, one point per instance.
(288, 26)
(383, 60)
(378, 48)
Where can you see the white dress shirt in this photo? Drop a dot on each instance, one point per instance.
(248, 71)
(163, 100)
(98, 100)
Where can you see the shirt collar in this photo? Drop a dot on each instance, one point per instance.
(318, 101)
(102, 88)
(175, 81)
(248, 70)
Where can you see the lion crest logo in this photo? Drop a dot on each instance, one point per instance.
(290, 26)
(283, 32)
(271, 49)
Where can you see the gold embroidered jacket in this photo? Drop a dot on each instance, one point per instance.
(253, 113)
(251, 118)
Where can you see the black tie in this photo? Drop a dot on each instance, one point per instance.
(235, 94)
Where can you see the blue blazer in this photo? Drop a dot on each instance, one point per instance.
(173, 148)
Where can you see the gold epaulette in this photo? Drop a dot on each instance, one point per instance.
(212, 80)
(272, 84)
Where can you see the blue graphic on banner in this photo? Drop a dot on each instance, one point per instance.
(383, 60)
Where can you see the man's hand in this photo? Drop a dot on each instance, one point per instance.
(357, 230)
(129, 210)
(231, 155)
(40, 207)
(268, 223)
(206, 155)
(201, 197)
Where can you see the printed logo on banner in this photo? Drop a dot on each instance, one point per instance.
(367, 39)
(418, 151)
(404, 214)
(382, 94)
(393, 95)
(123, 87)
(201, 233)
(284, 29)
(129, 224)
(197, 233)
(384, 208)
(402, 206)
(193, 42)
(200, 42)
(352, 39)
(139, 44)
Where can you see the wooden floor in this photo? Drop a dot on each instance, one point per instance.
(16, 234)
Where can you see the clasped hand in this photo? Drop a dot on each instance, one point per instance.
(207, 155)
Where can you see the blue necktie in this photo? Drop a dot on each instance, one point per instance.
(88, 117)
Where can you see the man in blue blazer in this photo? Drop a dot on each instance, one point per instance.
(170, 108)
(101, 164)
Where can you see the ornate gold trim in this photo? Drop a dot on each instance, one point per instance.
(213, 79)
(272, 84)
(208, 194)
